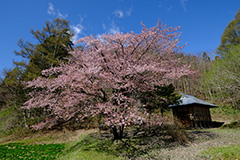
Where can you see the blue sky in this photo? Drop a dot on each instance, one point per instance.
(202, 21)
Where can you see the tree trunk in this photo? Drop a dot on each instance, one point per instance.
(210, 93)
(24, 118)
(117, 133)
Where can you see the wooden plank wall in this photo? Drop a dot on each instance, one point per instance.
(193, 116)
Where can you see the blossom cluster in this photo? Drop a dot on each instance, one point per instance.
(105, 74)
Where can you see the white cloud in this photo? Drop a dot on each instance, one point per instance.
(183, 4)
(60, 15)
(98, 36)
(50, 10)
(77, 30)
(169, 8)
(53, 12)
(114, 29)
(110, 28)
(129, 11)
(119, 13)
(165, 6)
(104, 26)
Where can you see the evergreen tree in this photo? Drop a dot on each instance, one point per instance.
(231, 35)
(11, 88)
(160, 98)
(205, 57)
(12, 97)
(52, 42)
(51, 47)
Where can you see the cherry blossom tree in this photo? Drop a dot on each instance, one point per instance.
(105, 76)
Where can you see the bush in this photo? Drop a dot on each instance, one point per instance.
(8, 120)
(233, 124)
(177, 133)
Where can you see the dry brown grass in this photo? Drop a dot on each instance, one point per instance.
(227, 119)
(54, 136)
(203, 140)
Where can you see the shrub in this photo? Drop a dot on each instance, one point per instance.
(233, 124)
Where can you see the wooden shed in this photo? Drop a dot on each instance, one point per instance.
(193, 112)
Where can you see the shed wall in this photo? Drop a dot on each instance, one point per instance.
(193, 116)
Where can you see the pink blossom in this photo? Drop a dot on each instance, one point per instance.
(106, 74)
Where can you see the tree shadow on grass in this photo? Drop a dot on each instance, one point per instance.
(201, 135)
(139, 141)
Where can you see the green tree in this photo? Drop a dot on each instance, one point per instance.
(224, 77)
(11, 88)
(12, 96)
(51, 47)
(160, 98)
(205, 57)
(231, 35)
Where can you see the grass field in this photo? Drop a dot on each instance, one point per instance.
(33, 151)
(228, 152)
(216, 143)
(89, 145)
(54, 145)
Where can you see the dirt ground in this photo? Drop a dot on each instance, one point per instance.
(204, 140)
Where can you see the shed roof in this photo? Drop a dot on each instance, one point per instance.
(188, 100)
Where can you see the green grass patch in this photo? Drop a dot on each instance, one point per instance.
(91, 148)
(134, 145)
(225, 114)
(4, 112)
(227, 153)
(227, 110)
(14, 151)
(89, 155)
